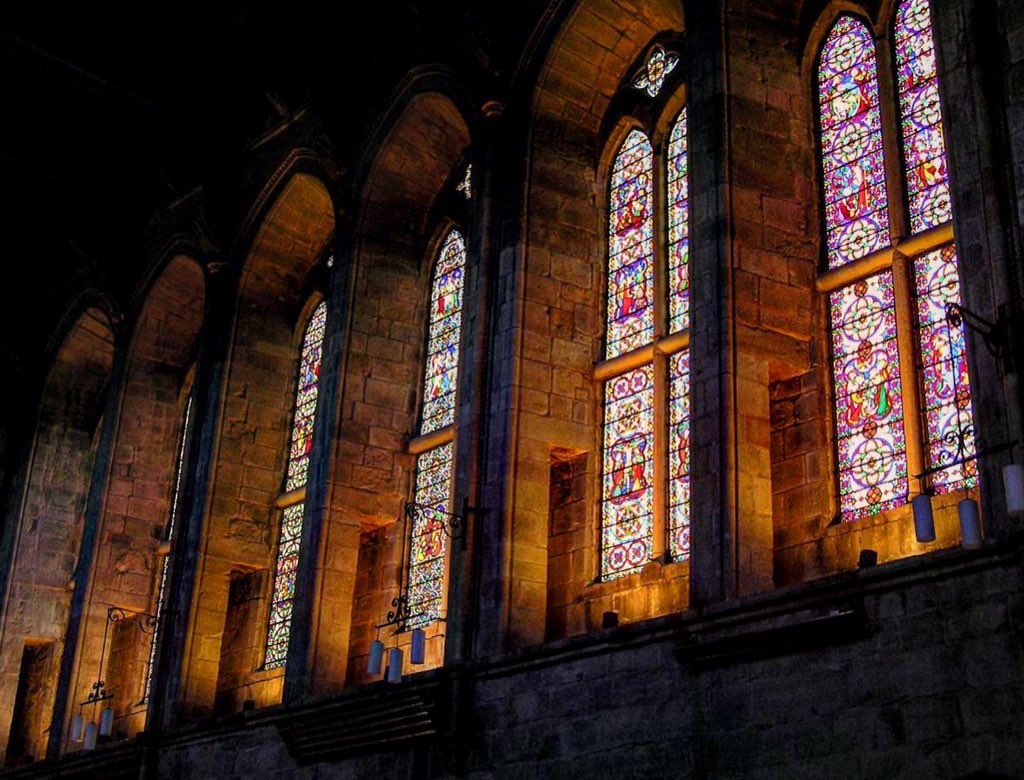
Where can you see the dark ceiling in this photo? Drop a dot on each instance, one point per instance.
(116, 109)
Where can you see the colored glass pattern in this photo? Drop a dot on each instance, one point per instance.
(946, 384)
(305, 399)
(659, 64)
(631, 248)
(856, 206)
(442, 370)
(179, 468)
(924, 147)
(279, 624)
(428, 546)
(679, 457)
(678, 227)
(627, 494)
(869, 407)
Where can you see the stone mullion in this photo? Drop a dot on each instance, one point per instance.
(70, 661)
(659, 541)
(902, 280)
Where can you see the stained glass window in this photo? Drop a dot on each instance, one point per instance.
(679, 456)
(428, 548)
(279, 624)
(924, 149)
(678, 227)
(179, 470)
(627, 505)
(633, 410)
(443, 340)
(869, 408)
(856, 206)
(428, 545)
(631, 248)
(659, 64)
(944, 377)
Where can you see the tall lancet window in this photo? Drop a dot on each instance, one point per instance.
(902, 394)
(645, 494)
(172, 521)
(428, 549)
(292, 500)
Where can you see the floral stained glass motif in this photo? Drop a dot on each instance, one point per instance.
(441, 377)
(856, 207)
(179, 468)
(631, 248)
(627, 493)
(869, 404)
(924, 147)
(679, 457)
(678, 227)
(429, 544)
(949, 420)
(282, 599)
(659, 64)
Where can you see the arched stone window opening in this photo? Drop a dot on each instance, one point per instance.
(44, 536)
(405, 338)
(902, 407)
(140, 494)
(227, 658)
(290, 502)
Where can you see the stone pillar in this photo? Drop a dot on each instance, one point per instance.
(465, 559)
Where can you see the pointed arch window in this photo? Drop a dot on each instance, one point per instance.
(435, 445)
(645, 487)
(291, 502)
(902, 391)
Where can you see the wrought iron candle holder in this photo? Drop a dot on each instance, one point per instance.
(87, 733)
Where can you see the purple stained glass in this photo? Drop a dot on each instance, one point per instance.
(627, 494)
(631, 248)
(856, 207)
(679, 457)
(869, 405)
(442, 365)
(924, 148)
(429, 544)
(279, 623)
(949, 419)
(678, 228)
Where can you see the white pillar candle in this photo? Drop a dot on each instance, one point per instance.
(376, 656)
(418, 650)
(395, 665)
(1013, 484)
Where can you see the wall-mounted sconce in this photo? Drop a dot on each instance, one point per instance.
(399, 617)
(87, 733)
(454, 525)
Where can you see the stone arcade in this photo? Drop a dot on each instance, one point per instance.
(595, 351)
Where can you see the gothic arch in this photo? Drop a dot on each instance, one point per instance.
(226, 633)
(42, 540)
